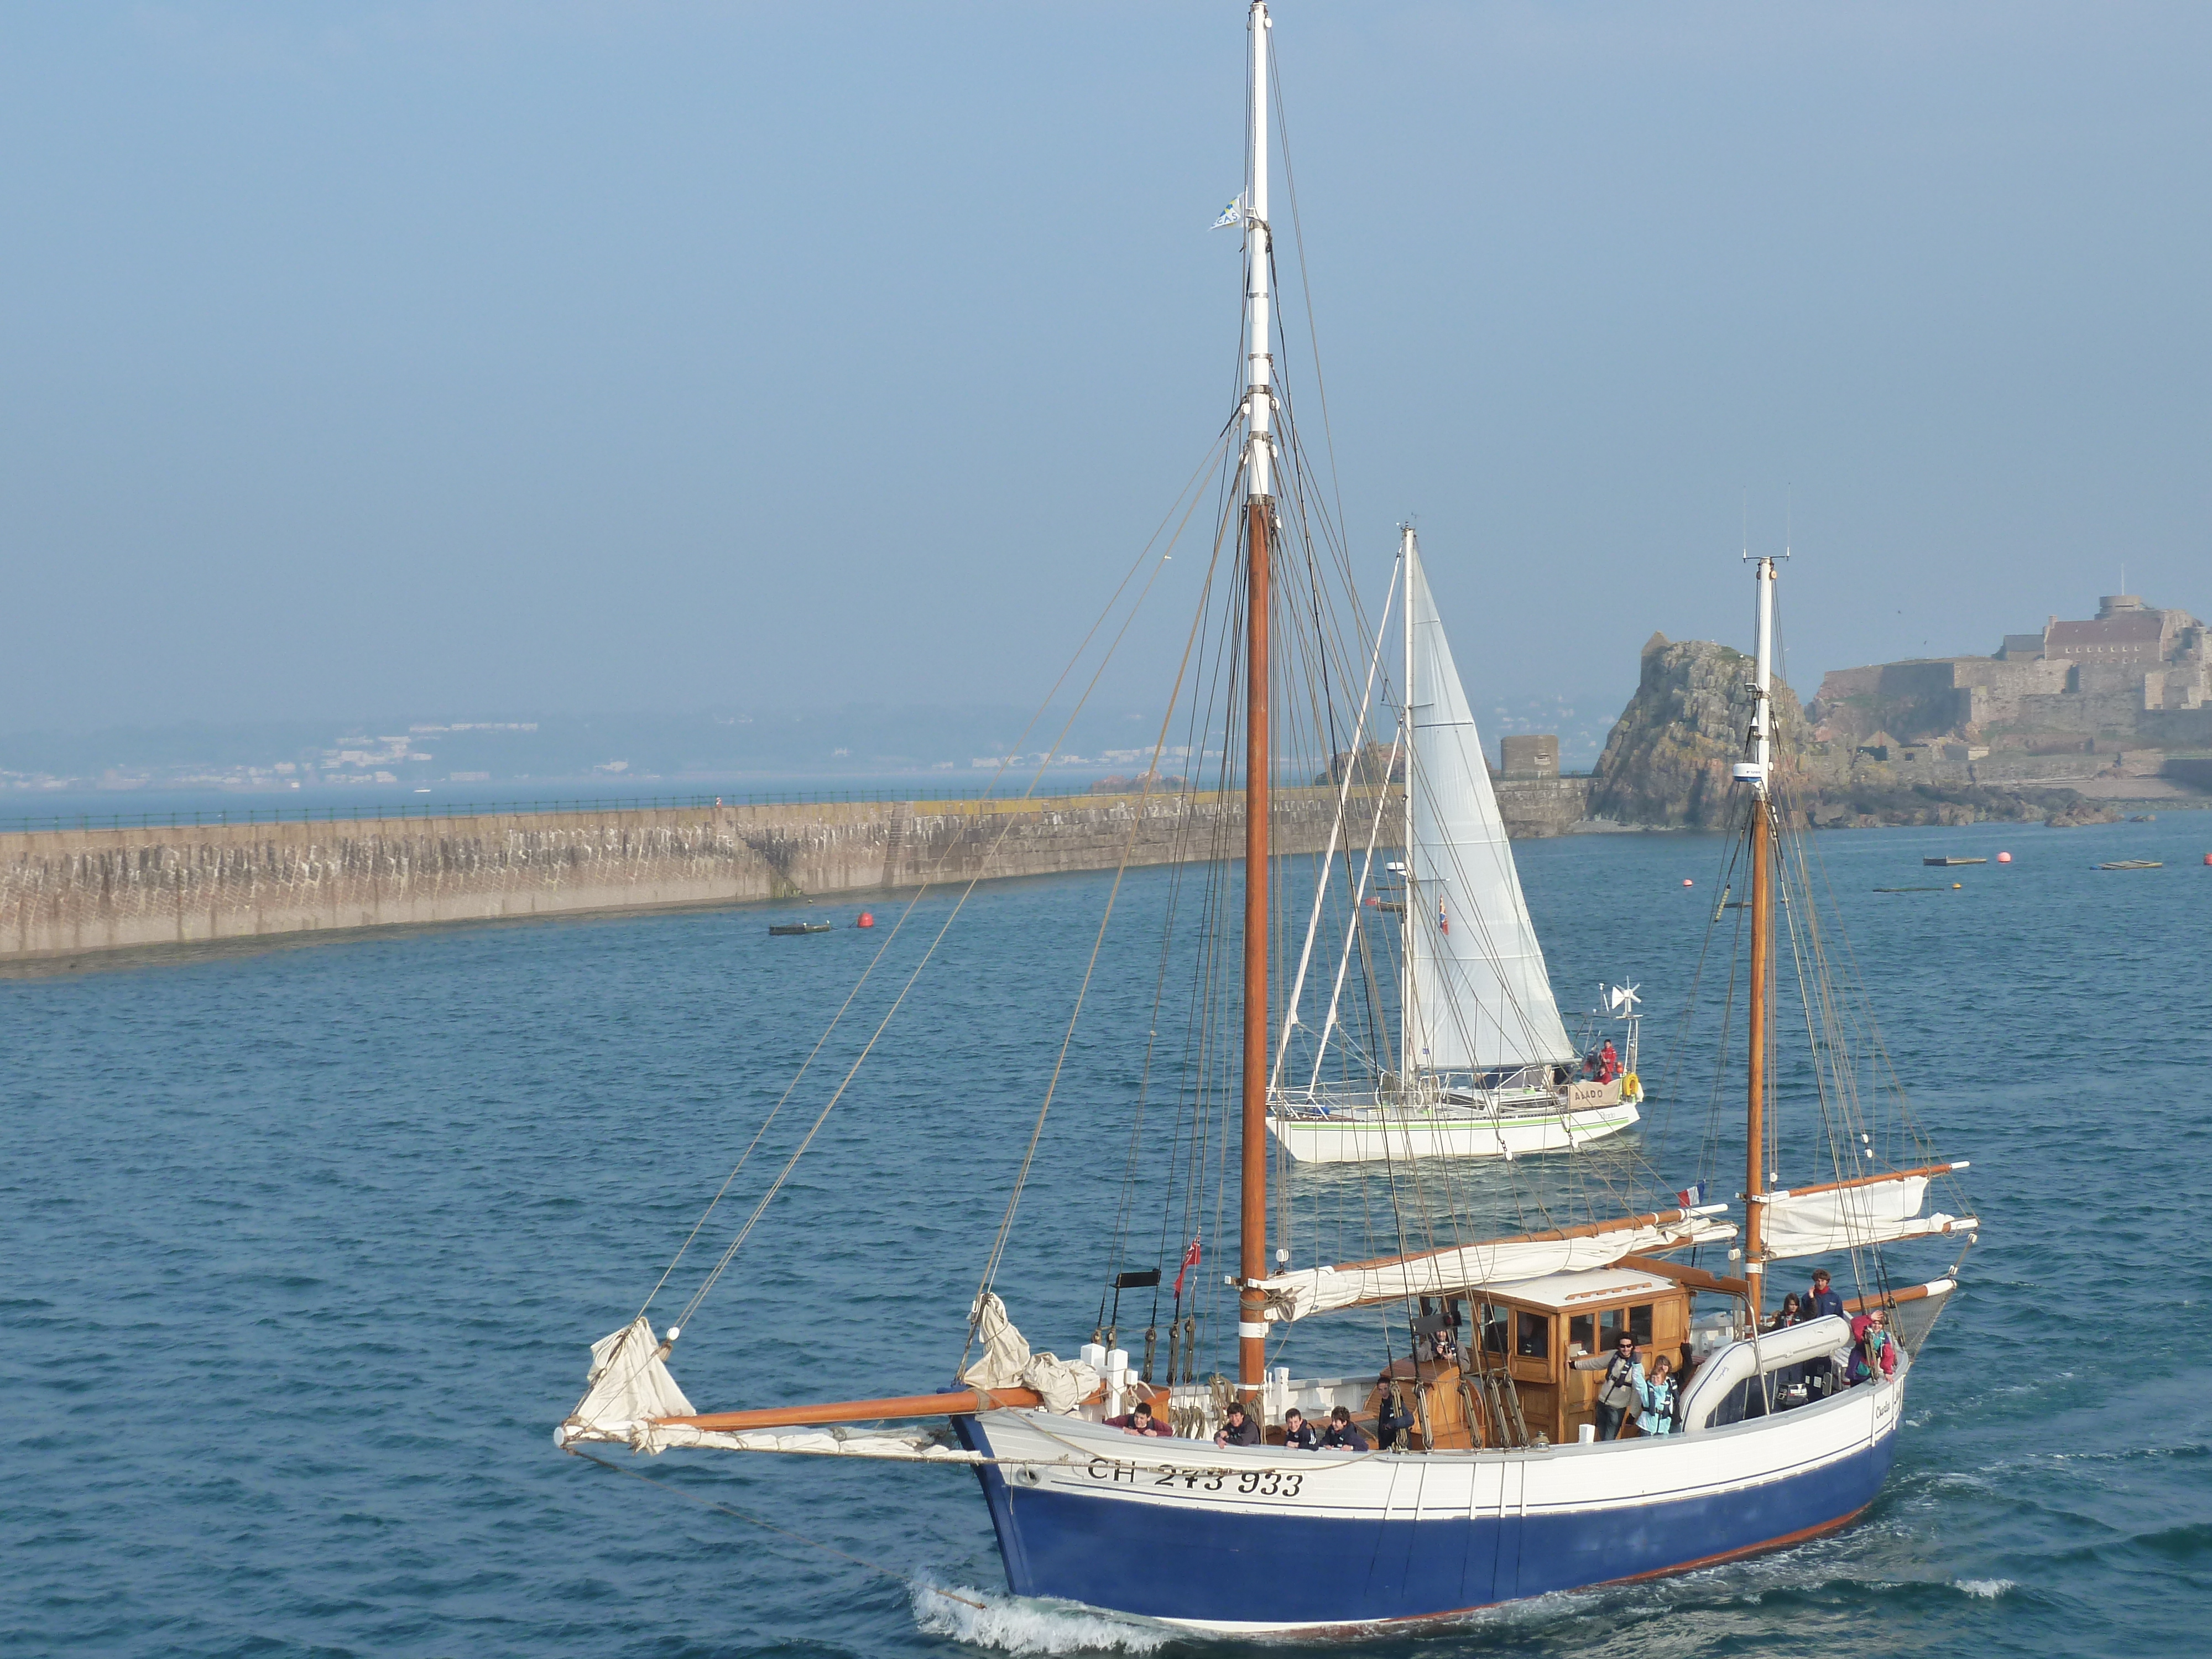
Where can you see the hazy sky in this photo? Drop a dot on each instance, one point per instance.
(477, 357)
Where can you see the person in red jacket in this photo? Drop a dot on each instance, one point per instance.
(1138, 1419)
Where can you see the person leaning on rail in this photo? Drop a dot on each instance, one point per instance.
(1138, 1419)
(1240, 1429)
(1342, 1434)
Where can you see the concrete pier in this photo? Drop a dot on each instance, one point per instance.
(69, 893)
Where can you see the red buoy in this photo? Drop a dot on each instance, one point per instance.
(1687, 882)
(2004, 858)
(867, 918)
(2207, 858)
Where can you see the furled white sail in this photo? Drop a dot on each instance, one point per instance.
(1850, 1217)
(1477, 997)
(628, 1387)
(1497, 1261)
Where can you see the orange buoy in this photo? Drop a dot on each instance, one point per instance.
(2207, 858)
(867, 918)
(1687, 882)
(2004, 858)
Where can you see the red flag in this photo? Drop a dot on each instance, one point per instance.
(1189, 1261)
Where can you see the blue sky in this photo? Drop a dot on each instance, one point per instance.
(481, 358)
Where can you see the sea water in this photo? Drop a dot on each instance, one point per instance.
(300, 1249)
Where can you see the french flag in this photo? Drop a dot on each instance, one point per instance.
(1692, 1196)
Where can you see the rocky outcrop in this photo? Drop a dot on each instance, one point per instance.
(1667, 759)
(1667, 762)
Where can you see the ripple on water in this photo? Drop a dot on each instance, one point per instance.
(303, 1251)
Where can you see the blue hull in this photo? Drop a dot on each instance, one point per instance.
(1217, 1567)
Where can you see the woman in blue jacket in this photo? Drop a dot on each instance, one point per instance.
(1656, 1394)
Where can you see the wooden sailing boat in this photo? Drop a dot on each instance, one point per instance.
(1484, 1067)
(1499, 1488)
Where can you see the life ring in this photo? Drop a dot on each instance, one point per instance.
(1631, 1087)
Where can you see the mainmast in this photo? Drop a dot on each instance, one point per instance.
(1758, 771)
(1409, 913)
(1259, 506)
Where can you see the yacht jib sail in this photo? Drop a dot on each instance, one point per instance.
(1480, 1063)
(1477, 997)
(1513, 1430)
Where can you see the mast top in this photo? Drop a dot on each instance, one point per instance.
(1259, 390)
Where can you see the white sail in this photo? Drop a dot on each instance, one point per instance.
(1495, 1262)
(1478, 995)
(1880, 1213)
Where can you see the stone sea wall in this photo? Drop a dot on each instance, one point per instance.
(73, 892)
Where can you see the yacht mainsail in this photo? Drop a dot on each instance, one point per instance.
(1478, 996)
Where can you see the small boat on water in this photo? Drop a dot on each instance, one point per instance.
(2134, 864)
(1477, 1062)
(791, 929)
(1952, 864)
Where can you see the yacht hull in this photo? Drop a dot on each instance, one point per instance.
(1390, 1138)
(1087, 1514)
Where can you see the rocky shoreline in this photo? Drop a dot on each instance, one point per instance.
(1667, 760)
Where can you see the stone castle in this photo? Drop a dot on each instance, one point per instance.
(2132, 685)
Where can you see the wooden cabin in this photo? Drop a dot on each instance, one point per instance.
(1530, 1332)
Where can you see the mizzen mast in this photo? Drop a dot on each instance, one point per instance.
(1757, 769)
(1259, 507)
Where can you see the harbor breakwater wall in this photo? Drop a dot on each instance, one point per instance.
(76, 892)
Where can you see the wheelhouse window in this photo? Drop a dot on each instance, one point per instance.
(1534, 1338)
(1581, 1331)
(1616, 1322)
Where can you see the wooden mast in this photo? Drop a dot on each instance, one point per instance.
(1756, 770)
(1762, 922)
(1259, 503)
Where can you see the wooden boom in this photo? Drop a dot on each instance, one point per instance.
(959, 1403)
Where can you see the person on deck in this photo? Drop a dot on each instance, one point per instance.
(1342, 1434)
(1872, 1354)
(1822, 1298)
(1609, 1062)
(1623, 1379)
(1655, 1394)
(1792, 1312)
(1394, 1418)
(1819, 1375)
(1138, 1419)
(1298, 1435)
(1240, 1429)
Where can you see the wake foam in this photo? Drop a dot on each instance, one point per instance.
(1987, 1589)
(1012, 1626)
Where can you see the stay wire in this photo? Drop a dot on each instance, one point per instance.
(792, 1163)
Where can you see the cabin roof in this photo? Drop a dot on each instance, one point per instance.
(1568, 1291)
